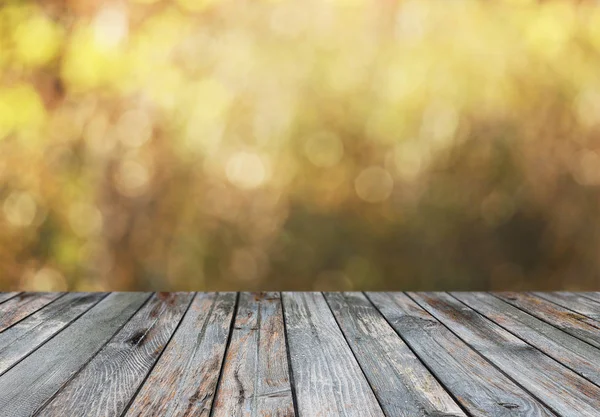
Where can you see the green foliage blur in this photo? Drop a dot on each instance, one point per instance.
(314, 145)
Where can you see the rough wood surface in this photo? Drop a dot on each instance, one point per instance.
(108, 382)
(575, 302)
(474, 382)
(594, 296)
(402, 384)
(255, 378)
(578, 325)
(570, 351)
(328, 380)
(27, 335)
(7, 296)
(17, 308)
(184, 380)
(557, 386)
(300, 354)
(32, 382)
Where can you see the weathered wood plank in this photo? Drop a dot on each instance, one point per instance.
(475, 383)
(570, 351)
(4, 296)
(27, 335)
(575, 302)
(557, 386)
(184, 380)
(327, 377)
(17, 308)
(594, 296)
(402, 384)
(107, 384)
(255, 379)
(562, 318)
(32, 382)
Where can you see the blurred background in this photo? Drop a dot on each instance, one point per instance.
(299, 145)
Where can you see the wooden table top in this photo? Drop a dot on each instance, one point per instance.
(299, 354)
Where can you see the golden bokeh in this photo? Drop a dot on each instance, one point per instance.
(319, 145)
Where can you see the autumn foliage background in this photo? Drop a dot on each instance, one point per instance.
(322, 145)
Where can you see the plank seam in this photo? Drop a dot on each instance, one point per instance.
(52, 336)
(595, 320)
(584, 295)
(72, 377)
(545, 321)
(227, 344)
(525, 341)
(33, 312)
(352, 351)
(257, 363)
(289, 358)
(10, 298)
(139, 388)
(486, 359)
(456, 400)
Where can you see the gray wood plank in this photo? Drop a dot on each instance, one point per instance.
(402, 384)
(184, 380)
(327, 377)
(594, 295)
(562, 318)
(475, 383)
(255, 379)
(4, 296)
(110, 380)
(32, 382)
(17, 308)
(557, 386)
(570, 351)
(575, 302)
(27, 335)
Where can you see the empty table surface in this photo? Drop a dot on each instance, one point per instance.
(300, 354)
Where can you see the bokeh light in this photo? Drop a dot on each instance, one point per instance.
(279, 144)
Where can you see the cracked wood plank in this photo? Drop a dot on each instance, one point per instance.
(578, 325)
(184, 380)
(476, 384)
(576, 302)
(568, 350)
(327, 377)
(402, 384)
(31, 383)
(255, 378)
(557, 386)
(4, 296)
(17, 308)
(107, 384)
(27, 335)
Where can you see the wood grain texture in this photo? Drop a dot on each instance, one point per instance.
(17, 308)
(575, 302)
(481, 389)
(184, 380)
(568, 350)
(350, 354)
(557, 386)
(402, 384)
(107, 383)
(27, 335)
(255, 378)
(328, 380)
(594, 296)
(29, 384)
(578, 325)
(7, 296)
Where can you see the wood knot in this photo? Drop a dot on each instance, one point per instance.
(138, 337)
